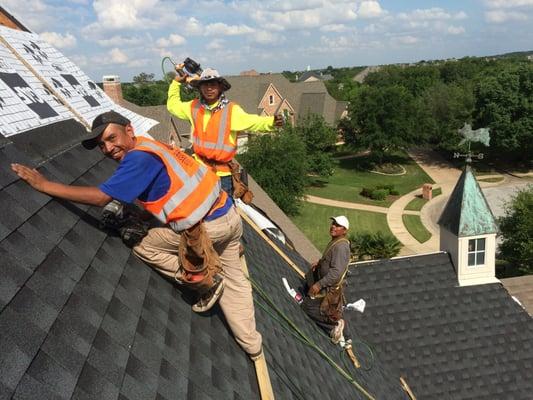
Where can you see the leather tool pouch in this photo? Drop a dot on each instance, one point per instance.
(240, 190)
(331, 305)
(198, 258)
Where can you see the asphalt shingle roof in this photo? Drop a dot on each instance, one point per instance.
(82, 318)
(249, 90)
(450, 342)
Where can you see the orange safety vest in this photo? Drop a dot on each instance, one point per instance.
(194, 190)
(213, 143)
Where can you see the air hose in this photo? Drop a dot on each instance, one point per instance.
(293, 329)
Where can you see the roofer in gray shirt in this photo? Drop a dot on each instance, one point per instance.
(325, 280)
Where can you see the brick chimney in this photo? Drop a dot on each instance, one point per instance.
(112, 87)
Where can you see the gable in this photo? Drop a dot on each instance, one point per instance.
(271, 100)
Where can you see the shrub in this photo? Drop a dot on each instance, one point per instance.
(389, 187)
(379, 194)
(394, 192)
(367, 192)
(367, 245)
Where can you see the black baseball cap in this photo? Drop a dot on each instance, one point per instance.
(99, 125)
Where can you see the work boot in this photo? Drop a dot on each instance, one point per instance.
(210, 297)
(336, 333)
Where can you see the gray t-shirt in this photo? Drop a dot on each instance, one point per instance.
(333, 264)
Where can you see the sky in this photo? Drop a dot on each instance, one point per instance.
(126, 37)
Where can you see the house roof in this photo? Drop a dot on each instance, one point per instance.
(249, 90)
(81, 317)
(467, 212)
(522, 288)
(451, 342)
(162, 130)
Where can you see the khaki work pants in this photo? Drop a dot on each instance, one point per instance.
(159, 249)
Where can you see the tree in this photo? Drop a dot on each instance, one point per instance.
(143, 78)
(516, 230)
(319, 139)
(443, 110)
(278, 163)
(365, 245)
(145, 95)
(382, 119)
(504, 103)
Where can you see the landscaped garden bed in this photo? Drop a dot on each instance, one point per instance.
(352, 175)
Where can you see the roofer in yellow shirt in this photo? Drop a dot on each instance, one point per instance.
(215, 123)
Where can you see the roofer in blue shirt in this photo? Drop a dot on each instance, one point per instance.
(199, 243)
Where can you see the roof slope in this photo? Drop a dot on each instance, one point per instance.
(82, 318)
(450, 342)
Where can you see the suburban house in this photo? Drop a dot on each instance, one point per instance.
(82, 318)
(313, 76)
(270, 94)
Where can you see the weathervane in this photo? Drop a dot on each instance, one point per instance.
(481, 135)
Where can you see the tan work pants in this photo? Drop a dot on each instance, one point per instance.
(159, 249)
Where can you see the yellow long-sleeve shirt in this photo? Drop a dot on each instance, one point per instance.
(240, 120)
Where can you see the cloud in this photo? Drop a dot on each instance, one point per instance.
(121, 41)
(434, 13)
(405, 40)
(117, 56)
(335, 28)
(500, 16)
(173, 40)
(192, 27)
(216, 44)
(370, 9)
(456, 30)
(323, 13)
(220, 28)
(58, 40)
(508, 3)
(114, 15)
(265, 37)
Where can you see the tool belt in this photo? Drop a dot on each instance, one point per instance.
(198, 258)
(240, 189)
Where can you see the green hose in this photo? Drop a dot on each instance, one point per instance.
(163, 68)
(286, 323)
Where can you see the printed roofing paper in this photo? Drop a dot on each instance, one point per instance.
(36, 105)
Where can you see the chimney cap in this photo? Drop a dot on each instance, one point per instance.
(111, 78)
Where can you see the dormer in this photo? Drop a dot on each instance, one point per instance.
(468, 232)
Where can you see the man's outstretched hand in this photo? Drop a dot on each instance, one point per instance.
(33, 177)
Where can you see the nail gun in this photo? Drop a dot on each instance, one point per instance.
(189, 68)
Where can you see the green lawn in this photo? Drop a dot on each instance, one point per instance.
(314, 222)
(416, 228)
(418, 202)
(352, 174)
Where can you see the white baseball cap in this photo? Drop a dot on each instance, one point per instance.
(342, 221)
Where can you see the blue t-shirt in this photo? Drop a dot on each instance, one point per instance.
(140, 175)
